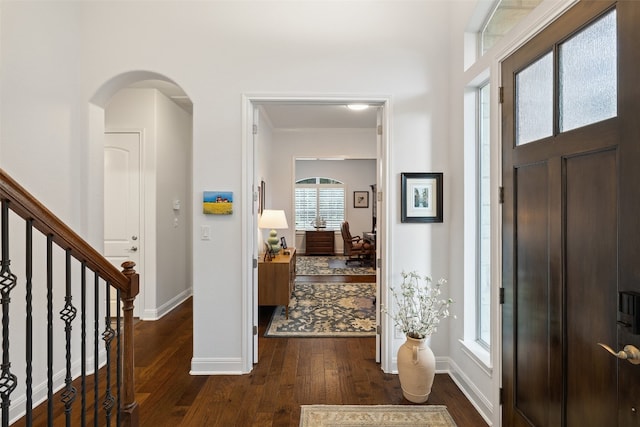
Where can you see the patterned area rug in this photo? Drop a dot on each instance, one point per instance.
(327, 310)
(380, 415)
(319, 265)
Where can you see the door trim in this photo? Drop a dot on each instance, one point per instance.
(249, 251)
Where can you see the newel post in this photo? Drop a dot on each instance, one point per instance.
(129, 409)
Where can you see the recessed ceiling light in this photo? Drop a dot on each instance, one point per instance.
(357, 107)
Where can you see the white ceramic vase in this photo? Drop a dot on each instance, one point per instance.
(416, 369)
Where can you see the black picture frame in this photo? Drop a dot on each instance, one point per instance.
(360, 199)
(283, 242)
(421, 195)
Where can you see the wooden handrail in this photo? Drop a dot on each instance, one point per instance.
(28, 207)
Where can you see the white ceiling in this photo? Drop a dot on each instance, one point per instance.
(315, 116)
(283, 115)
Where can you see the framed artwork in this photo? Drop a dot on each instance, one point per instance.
(283, 242)
(360, 199)
(217, 202)
(268, 253)
(421, 197)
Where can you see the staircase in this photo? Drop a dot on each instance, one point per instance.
(63, 345)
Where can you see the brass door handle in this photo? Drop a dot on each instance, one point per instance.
(629, 352)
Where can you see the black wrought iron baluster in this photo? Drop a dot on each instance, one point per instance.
(29, 322)
(96, 349)
(118, 356)
(83, 343)
(107, 336)
(50, 330)
(8, 280)
(68, 314)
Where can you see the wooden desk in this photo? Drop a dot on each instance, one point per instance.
(370, 238)
(319, 242)
(276, 279)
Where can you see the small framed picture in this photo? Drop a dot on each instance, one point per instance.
(421, 197)
(283, 242)
(268, 253)
(360, 199)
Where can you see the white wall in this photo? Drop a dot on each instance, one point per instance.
(173, 226)
(287, 144)
(357, 175)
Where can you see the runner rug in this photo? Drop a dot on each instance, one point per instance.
(336, 265)
(327, 310)
(378, 415)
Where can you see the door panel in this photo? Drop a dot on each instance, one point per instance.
(532, 293)
(591, 286)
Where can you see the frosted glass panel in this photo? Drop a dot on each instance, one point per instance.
(534, 101)
(588, 75)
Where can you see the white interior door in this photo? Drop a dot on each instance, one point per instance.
(122, 200)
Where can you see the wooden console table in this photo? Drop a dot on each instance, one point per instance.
(276, 279)
(319, 242)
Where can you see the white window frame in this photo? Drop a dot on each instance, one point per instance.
(483, 159)
(318, 186)
(471, 346)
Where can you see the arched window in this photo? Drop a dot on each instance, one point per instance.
(319, 198)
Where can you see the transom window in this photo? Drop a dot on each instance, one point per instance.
(319, 198)
(586, 79)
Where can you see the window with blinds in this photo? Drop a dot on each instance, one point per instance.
(319, 198)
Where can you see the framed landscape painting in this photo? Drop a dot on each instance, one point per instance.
(217, 202)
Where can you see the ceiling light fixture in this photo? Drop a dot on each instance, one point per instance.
(357, 107)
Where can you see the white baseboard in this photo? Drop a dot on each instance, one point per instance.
(217, 366)
(482, 404)
(158, 313)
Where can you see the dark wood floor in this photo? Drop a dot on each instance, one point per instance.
(291, 372)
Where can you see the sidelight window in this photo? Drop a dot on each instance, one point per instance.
(483, 252)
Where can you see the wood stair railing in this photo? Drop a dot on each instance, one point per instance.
(16, 199)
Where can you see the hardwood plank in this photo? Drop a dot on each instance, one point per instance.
(291, 372)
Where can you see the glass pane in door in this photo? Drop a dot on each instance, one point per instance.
(534, 101)
(588, 75)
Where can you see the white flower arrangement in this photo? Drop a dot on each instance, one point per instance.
(419, 308)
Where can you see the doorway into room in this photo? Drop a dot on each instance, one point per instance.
(297, 125)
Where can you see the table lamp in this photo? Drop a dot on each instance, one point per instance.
(274, 220)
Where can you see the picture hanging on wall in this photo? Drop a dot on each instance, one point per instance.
(360, 199)
(421, 197)
(217, 202)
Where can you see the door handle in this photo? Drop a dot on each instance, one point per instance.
(134, 248)
(629, 352)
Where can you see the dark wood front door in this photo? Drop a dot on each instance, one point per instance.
(571, 220)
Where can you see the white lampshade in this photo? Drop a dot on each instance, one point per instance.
(273, 220)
